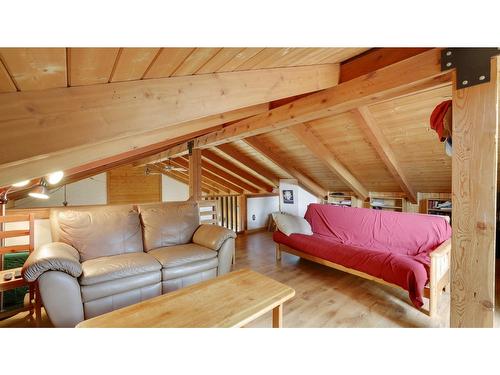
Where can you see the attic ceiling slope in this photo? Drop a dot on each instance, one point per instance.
(102, 113)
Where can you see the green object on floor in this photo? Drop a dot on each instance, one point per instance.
(14, 298)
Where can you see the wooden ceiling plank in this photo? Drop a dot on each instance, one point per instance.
(35, 68)
(234, 153)
(241, 173)
(240, 58)
(420, 72)
(100, 113)
(166, 62)
(377, 139)
(133, 63)
(316, 146)
(90, 66)
(305, 181)
(6, 82)
(258, 58)
(220, 59)
(196, 60)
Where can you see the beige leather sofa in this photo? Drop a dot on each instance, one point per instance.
(107, 257)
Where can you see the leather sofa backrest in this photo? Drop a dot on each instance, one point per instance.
(97, 231)
(168, 224)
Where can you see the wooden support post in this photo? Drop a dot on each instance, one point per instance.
(474, 189)
(195, 175)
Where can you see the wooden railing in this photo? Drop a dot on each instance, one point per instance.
(227, 210)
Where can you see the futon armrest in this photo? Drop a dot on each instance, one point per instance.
(54, 256)
(212, 236)
(442, 250)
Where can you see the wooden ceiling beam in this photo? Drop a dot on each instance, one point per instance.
(374, 59)
(210, 175)
(314, 144)
(231, 151)
(67, 119)
(377, 139)
(144, 148)
(303, 180)
(420, 72)
(240, 172)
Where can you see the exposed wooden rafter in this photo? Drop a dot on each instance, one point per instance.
(315, 145)
(303, 180)
(244, 175)
(208, 166)
(377, 139)
(101, 113)
(234, 153)
(144, 148)
(210, 176)
(418, 73)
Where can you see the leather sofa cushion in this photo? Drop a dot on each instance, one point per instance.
(168, 224)
(103, 269)
(112, 287)
(190, 269)
(175, 256)
(97, 231)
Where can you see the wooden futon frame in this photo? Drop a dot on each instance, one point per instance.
(439, 272)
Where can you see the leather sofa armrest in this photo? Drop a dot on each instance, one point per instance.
(54, 256)
(212, 236)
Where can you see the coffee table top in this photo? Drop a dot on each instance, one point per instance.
(231, 300)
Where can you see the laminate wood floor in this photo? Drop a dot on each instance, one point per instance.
(324, 297)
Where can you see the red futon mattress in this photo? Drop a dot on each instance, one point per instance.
(392, 246)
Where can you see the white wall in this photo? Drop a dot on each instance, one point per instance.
(258, 210)
(301, 198)
(85, 192)
(173, 190)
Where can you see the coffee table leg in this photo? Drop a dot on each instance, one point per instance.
(278, 316)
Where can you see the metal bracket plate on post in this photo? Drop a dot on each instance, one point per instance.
(190, 145)
(472, 64)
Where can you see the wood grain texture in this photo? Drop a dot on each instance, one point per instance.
(195, 60)
(231, 300)
(90, 66)
(421, 72)
(6, 82)
(132, 63)
(231, 151)
(195, 175)
(315, 145)
(167, 61)
(102, 113)
(128, 184)
(303, 180)
(35, 68)
(475, 153)
(223, 56)
(239, 59)
(239, 172)
(381, 145)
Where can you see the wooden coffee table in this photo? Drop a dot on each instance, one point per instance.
(231, 300)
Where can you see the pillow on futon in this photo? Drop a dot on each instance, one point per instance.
(288, 224)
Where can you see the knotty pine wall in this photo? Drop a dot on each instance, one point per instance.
(130, 185)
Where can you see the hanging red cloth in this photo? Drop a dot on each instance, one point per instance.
(437, 118)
